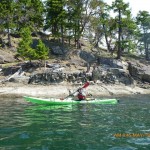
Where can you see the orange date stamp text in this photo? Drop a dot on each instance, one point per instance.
(132, 135)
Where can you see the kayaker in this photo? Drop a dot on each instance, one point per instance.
(81, 93)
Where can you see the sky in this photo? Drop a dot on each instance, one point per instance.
(135, 5)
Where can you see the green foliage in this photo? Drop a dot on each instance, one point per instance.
(26, 51)
(30, 14)
(143, 21)
(18, 14)
(24, 48)
(7, 12)
(73, 19)
(7, 15)
(126, 27)
(41, 51)
(54, 15)
(120, 5)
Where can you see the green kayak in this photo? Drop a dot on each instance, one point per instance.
(54, 101)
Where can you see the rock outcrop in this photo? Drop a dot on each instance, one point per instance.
(6, 57)
(101, 70)
(139, 71)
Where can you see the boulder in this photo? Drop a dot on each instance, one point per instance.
(139, 71)
(19, 79)
(146, 77)
(110, 62)
(112, 75)
(10, 70)
(57, 50)
(88, 57)
(1, 59)
(6, 57)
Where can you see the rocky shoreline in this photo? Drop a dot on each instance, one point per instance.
(108, 77)
(62, 90)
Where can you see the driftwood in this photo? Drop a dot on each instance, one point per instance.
(18, 73)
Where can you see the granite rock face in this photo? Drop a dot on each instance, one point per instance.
(138, 71)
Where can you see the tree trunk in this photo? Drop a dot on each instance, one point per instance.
(9, 39)
(119, 53)
(8, 32)
(146, 46)
(75, 38)
(146, 51)
(62, 35)
(78, 36)
(106, 38)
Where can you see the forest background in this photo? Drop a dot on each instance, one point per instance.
(72, 20)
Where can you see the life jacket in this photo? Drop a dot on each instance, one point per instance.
(80, 95)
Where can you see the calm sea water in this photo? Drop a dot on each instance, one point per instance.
(125, 126)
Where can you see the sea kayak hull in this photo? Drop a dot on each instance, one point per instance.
(54, 101)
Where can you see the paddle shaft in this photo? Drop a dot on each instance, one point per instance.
(84, 86)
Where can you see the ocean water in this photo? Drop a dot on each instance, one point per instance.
(124, 126)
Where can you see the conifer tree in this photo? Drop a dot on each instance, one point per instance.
(143, 20)
(122, 9)
(7, 14)
(41, 51)
(24, 48)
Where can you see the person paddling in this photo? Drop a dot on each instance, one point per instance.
(81, 93)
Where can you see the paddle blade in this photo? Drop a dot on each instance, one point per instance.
(86, 85)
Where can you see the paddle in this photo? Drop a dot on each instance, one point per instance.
(84, 86)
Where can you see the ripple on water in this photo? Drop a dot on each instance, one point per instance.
(77, 127)
(139, 125)
(24, 136)
(123, 148)
(140, 141)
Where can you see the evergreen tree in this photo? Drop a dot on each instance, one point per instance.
(129, 34)
(99, 21)
(54, 16)
(122, 9)
(143, 20)
(29, 14)
(24, 48)
(26, 51)
(7, 15)
(81, 11)
(105, 21)
(41, 51)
